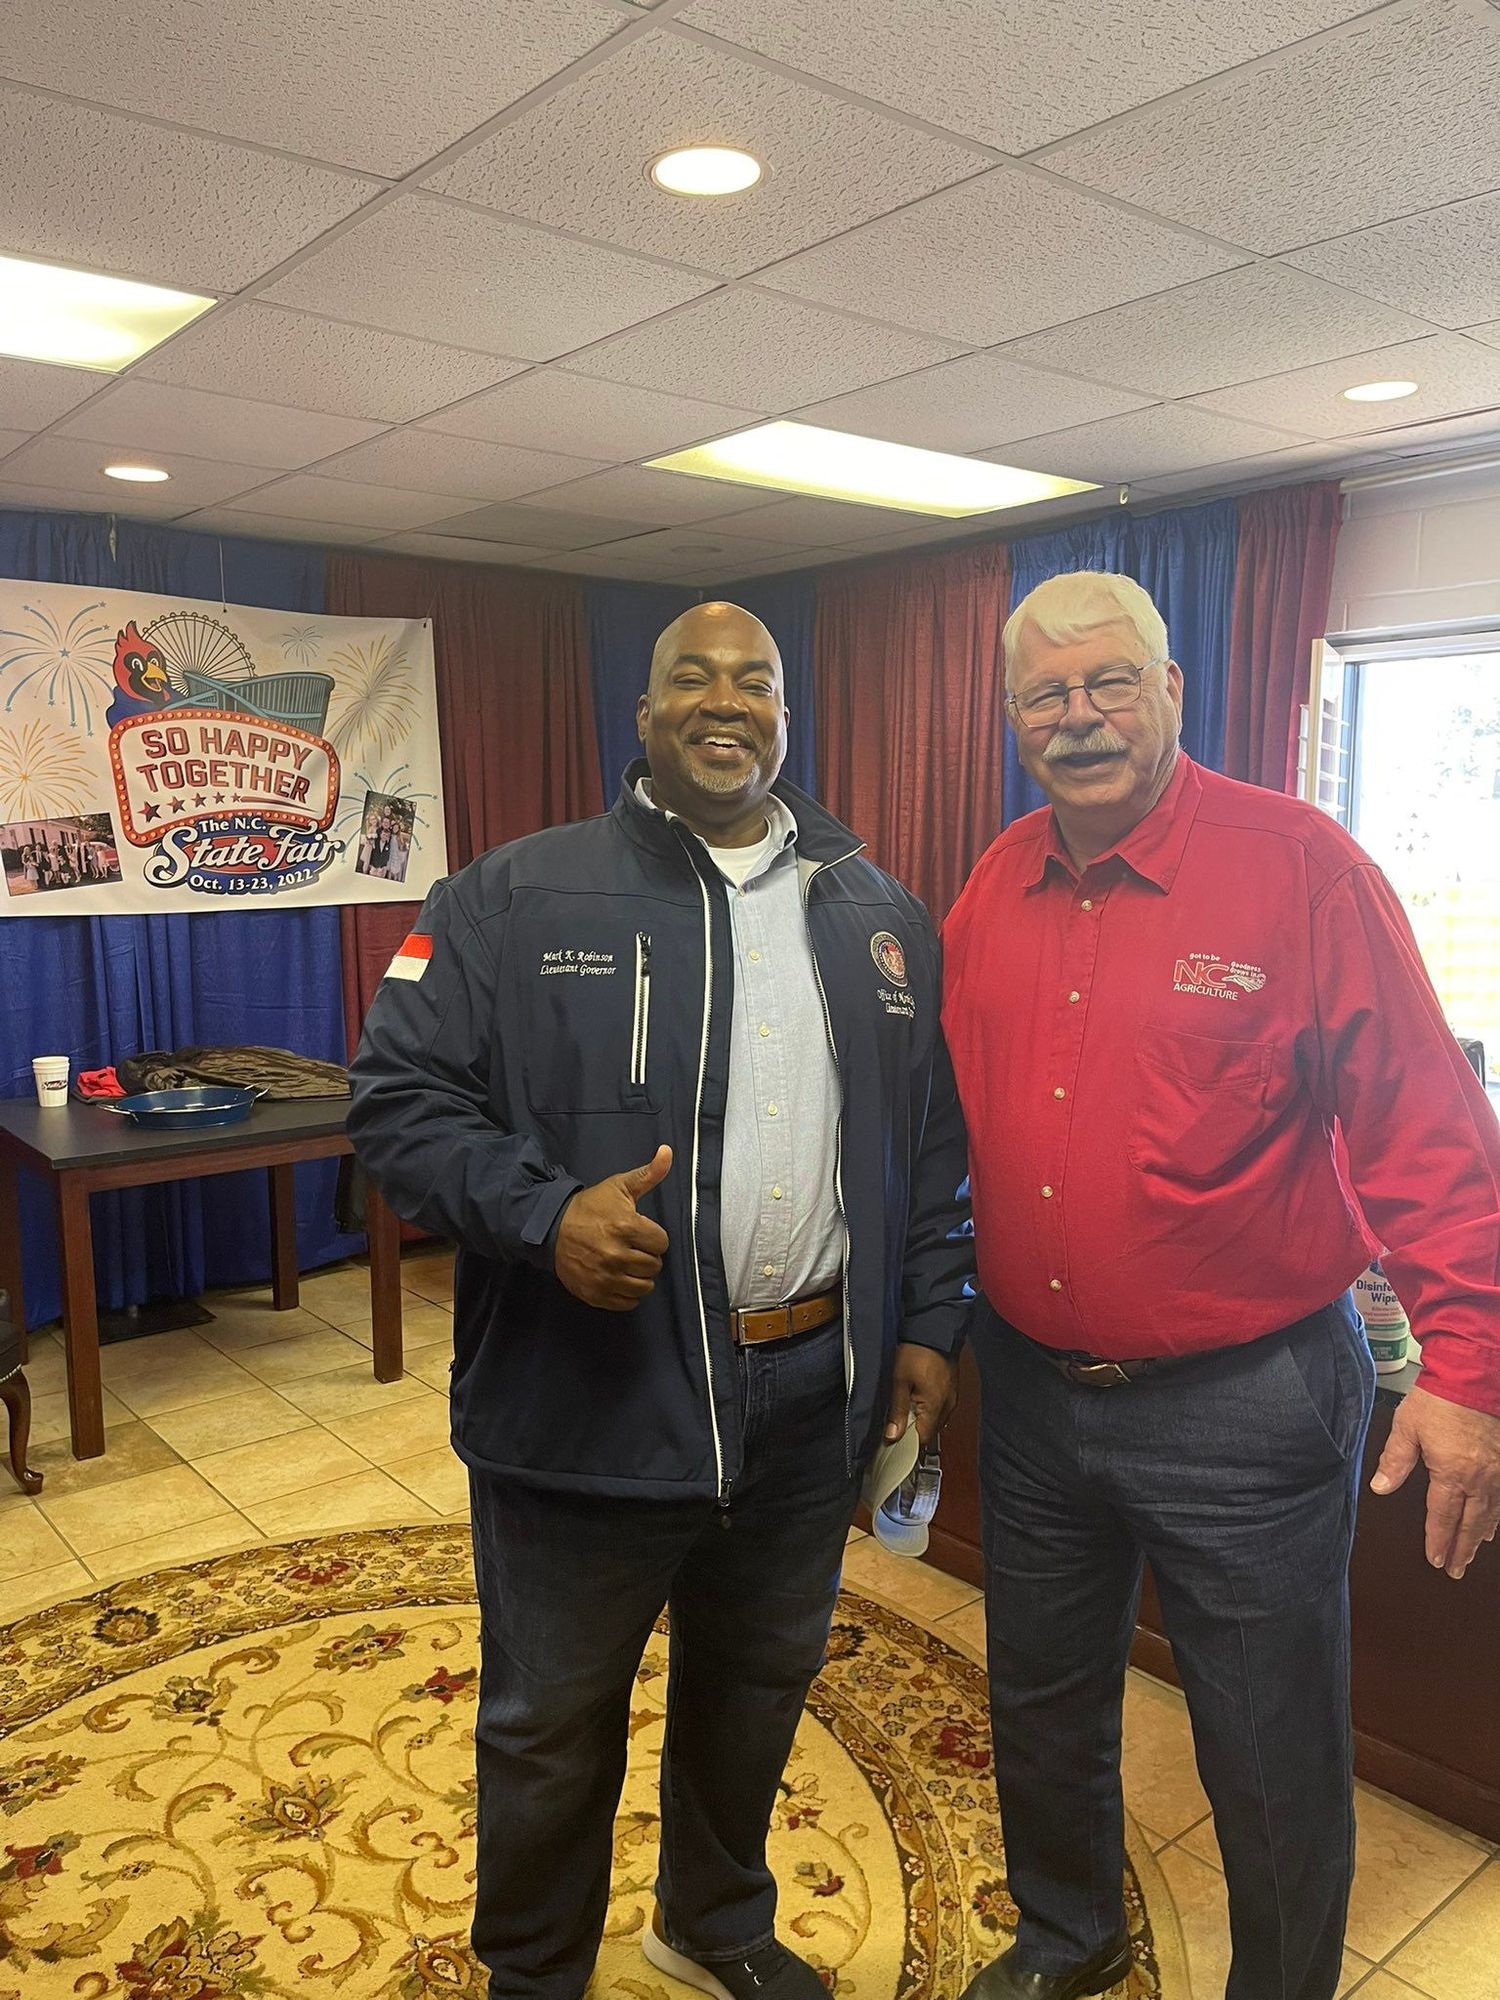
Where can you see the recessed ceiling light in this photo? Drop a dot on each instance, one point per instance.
(81, 320)
(706, 170)
(837, 465)
(143, 475)
(1379, 392)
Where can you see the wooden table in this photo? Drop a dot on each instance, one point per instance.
(84, 1149)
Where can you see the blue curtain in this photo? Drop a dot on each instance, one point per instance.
(788, 608)
(625, 620)
(101, 988)
(1185, 558)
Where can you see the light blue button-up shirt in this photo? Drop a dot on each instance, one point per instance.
(780, 1232)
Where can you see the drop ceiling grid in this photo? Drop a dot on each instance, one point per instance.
(661, 297)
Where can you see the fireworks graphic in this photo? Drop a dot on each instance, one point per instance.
(300, 643)
(72, 663)
(43, 772)
(374, 703)
(357, 784)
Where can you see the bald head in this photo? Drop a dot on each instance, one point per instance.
(707, 627)
(713, 721)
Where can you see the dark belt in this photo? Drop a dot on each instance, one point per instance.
(1090, 1371)
(760, 1323)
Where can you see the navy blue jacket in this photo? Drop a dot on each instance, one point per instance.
(505, 1077)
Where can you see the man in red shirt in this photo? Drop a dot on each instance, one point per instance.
(1163, 994)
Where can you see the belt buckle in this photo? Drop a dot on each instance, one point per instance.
(1097, 1374)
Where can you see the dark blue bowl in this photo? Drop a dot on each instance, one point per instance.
(180, 1110)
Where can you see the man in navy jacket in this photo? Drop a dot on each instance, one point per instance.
(674, 1080)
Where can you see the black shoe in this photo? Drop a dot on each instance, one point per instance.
(1007, 1980)
(769, 1973)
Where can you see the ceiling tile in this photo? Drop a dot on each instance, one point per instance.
(636, 494)
(1230, 328)
(43, 499)
(279, 527)
(1454, 374)
(1399, 113)
(757, 350)
(1169, 437)
(456, 548)
(382, 87)
(154, 417)
(1443, 265)
(321, 364)
(580, 159)
(427, 267)
(78, 463)
(1490, 334)
(307, 497)
(550, 408)
(89, 187)
(982, 399)
(999, 256)
(34, 394)
(538, 527)
(428, 462)
(12, 441)
(1294, 462)
(805, 518)
(698, 546)
(1013, 74)
(598, 562)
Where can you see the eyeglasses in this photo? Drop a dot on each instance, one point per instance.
(1108, 689)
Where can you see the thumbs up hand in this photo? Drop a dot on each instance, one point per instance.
(606, 1254)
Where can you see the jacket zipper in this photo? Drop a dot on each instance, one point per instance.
(721, 1483)
(838, 1155)
(641, 1027)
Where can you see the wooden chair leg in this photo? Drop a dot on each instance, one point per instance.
(15, 1394)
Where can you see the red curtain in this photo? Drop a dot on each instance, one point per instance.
(1283, 580)
(515, 717)
(911, 710)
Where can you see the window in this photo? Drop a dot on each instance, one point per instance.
(1410, 761)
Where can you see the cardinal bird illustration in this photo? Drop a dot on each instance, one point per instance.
(140, 676)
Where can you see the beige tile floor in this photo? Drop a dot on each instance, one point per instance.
(264, 1425)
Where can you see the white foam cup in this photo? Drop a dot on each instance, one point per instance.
(51, 1073)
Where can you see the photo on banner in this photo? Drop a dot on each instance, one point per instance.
(161, 753)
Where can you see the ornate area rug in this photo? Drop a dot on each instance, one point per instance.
(252, 1777)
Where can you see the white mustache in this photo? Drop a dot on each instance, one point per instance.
(1093, 743)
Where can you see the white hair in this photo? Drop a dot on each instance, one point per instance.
(1072, 605)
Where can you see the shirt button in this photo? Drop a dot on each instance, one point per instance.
(764, 1031)
(1073, 998)
(1046, 1194)
(768, 1270)
(1057, 1284)
(755, 958)
(770, 1110)
(1086, 904)
(1059, 1092)
(776, 1194)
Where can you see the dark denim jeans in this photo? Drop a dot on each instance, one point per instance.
(1235, 1476)
(569, 1588)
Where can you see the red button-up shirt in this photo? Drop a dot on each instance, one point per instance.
(1152, 1058)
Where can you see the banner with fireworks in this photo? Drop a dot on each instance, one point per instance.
(157, 753)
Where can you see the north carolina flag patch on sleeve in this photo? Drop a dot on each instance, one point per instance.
(411, 960)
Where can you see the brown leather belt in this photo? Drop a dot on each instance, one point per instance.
(1091, 1371)
(781, 1322)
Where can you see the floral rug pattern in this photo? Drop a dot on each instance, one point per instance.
(251, 1779)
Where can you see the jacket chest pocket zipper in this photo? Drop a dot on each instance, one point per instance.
(641, 1026)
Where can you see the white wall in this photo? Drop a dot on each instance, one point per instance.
(1419, 550)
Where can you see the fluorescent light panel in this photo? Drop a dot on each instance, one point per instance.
(838, 465)
(80, 320)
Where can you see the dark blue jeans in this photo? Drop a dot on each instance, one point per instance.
(1235, 1476)
(569, 1588)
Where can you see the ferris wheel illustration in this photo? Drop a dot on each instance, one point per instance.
(210, 666)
